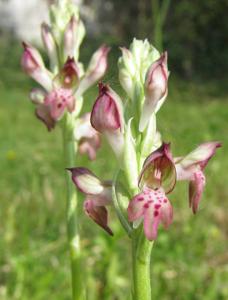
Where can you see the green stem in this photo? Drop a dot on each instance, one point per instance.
(70, 149)
(141, 253)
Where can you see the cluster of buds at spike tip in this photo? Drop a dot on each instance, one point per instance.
(107, 118)
(133, 65)
(98, 195)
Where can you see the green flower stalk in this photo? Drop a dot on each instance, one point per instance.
(147, 171)
(59, 101)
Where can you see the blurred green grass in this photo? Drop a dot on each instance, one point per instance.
(189, 261)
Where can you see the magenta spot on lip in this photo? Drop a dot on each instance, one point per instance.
(146, 205)
(156, 213)
(59, 105)
(140, 199)
(157, 206)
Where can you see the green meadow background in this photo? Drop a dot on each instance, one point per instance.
(189, 261)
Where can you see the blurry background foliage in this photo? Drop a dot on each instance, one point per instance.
(190, 261)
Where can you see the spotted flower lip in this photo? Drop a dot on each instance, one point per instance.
(159, 170)
(98, 195)
(191, 168)
(153, 207)
(156, 89)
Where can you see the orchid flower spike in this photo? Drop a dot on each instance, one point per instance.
(191, 168)
(156, 89)
(157, 178)
(88, 138)
(98, 195)
(107, 118)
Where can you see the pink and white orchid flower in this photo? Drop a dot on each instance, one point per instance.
(107, 117)
(52, 103)
(156, 89)
(98, 195)
(88, 138)
(151, 205)
(191, 168)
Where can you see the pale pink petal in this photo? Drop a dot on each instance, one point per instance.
(151, 222)
(196, 188)
(136, 207)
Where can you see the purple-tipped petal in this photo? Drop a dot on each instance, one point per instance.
(196, 187)
(33, 65)
(86, 181)
(90, 184)
(107, 113)
(98, 214)
(43, 113)
(96, 69)
(159, 170)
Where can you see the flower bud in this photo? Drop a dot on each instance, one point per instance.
(49, 43)
(155, 89)
(107, 117)
(33, 65)
(127, 72)
(73, 36)
(96, 69)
